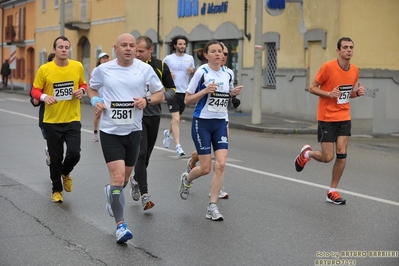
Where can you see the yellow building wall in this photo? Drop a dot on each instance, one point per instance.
(107, 22)
(374, 27)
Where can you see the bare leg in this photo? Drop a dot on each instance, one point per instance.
(174, 127)
(340, 163)
(218, 174)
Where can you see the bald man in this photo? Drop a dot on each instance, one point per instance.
(128, 86)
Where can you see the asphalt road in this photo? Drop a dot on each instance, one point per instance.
(274, 216)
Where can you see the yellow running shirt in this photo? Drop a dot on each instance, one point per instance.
(60, 82)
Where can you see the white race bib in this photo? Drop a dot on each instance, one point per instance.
(63, 90)
(218, 102)
(345, 94)
(121, 113)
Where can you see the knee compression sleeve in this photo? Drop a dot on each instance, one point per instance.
(341, 156)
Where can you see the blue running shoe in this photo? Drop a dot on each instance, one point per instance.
(122, 233)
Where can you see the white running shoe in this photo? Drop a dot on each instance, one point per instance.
(212, 212)
(166, 138)
(180, 151)
(95, 137)
(108, 205)
(223, 194)
(134, 189)
(184, 186)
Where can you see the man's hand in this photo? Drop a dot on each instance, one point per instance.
(360, 90)
(140, 103)
(78, 93)
(50, 100)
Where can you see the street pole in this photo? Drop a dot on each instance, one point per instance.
(62, 18)
(256, 101)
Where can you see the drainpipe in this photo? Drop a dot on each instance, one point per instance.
(248, 35)
(160, 42)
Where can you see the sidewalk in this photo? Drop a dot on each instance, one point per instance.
(270, 123)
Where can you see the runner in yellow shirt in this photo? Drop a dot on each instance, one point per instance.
(60, 84)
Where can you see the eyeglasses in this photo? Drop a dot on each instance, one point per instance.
(226, 54)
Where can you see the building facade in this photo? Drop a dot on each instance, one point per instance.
(294, 45)
(18, 40)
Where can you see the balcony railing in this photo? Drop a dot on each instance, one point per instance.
(77, 14)
(14, 34)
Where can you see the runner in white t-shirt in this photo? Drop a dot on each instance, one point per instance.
(124, 83)
(182, 67)
(209, 89)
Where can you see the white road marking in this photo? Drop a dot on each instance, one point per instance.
(258, 171)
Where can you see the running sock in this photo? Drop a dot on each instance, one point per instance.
(117, 202)
(307, 154)
(332, 190)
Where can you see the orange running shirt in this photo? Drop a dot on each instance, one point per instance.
(330, 76)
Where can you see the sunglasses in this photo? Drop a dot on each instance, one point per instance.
(226, 54)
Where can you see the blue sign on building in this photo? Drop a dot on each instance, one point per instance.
(214, 8)
(187, 8)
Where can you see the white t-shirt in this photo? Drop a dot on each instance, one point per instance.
(179, 66)
(212, 105)
(119, 85)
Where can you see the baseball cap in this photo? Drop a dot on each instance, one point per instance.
(102, 54)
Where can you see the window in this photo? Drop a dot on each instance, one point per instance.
(56, 4)
(43, 5)
(271, 64)
(42, 57)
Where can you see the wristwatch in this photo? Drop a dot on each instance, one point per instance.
(148, 100)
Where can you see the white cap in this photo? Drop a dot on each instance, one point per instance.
(101, 55)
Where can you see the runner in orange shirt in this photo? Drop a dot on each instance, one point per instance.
(335, 85)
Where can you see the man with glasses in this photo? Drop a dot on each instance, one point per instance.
(60, 84)
(182, 68)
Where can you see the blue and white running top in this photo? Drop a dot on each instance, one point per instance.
(212, 105)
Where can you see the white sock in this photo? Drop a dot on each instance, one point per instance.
(307, 154)
(332, 190)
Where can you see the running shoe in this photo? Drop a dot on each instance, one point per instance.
(301, 160)
(184, 186)
(108, 198)
(223, 194)
(166, 138)
(122, 233)
(67, 182)
(212, 212)
(95, 137)
(180, 151)
(47, 156)
(146, 202)
(334, 197)
(188, 169)
(134, 189)
(57, 197)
